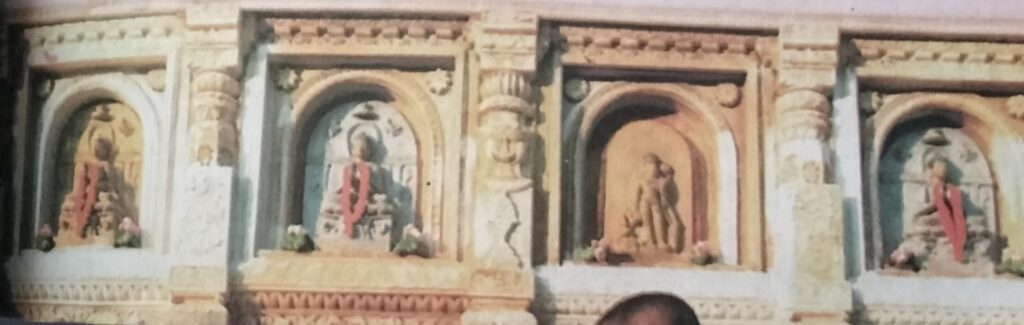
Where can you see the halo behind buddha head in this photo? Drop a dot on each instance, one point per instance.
(368, 133)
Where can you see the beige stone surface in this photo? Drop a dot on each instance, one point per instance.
(511, 157)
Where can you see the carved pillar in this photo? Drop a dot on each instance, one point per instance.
(203, 189)
(807, 227)
(502, 219)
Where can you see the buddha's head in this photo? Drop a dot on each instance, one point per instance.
(937, 169)
(652, 166)
(362, 148)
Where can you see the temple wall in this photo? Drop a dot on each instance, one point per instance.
(466, 152)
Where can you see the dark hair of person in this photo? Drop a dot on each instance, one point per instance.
(650, 309)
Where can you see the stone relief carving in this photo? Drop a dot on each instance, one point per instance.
(369, 169)
(576, 89)
(727, 95)
(89, 291)
(101, 150)
(213, 131)
(157, 79)
(652, 221)
(1015, 107)
(936, 188)
(288, 79)
(439, 81)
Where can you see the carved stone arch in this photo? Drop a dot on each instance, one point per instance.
(983, 122)
(72, 95)
(700, 113)
(412, 102)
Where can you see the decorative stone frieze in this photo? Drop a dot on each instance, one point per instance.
(635, 48)
(133, 40)
(895, 315)
(89, 291)
(975, 65)
(87, 314)
(398, 32)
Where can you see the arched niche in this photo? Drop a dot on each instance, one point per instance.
(406, 117)
(965, 131)
(70, 97)
(685, 132)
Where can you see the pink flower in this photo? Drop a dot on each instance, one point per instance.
(702, 248)
(900, 257)
(45, 231)
(128, 226)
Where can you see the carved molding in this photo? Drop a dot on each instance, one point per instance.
(122, 314)
(802, 114)
(89, 291)
(893, 52)
(308, 307)
(659, 49)
(397, 32)
(587, 308)
(896, 315)
(94, 40)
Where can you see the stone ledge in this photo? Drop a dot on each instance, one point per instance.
(877, 289)
(87, 262)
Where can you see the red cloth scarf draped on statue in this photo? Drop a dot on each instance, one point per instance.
(951, 215)
(349, 214)
(84, 193)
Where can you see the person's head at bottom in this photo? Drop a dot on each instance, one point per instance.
(650, 309)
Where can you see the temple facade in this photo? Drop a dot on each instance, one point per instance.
(346, 162)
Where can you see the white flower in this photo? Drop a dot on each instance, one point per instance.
(411, 231)
(296, 230)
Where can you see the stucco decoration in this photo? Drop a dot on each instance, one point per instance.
(100, 165)
(369, 169)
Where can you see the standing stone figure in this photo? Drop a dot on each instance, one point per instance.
(652, 219)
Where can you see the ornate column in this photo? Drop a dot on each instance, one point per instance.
(199, 244)
(806, 221)
(502, 217)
